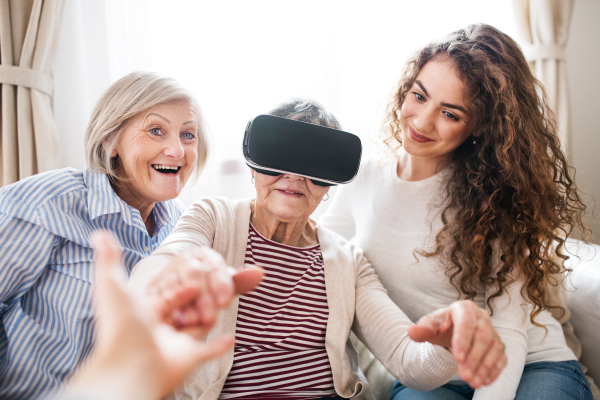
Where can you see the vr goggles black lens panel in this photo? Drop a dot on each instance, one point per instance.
(279, 145)
(271, 173)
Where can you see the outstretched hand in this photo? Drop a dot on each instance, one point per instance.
(138, 355)
(467, 332)
(195, 285)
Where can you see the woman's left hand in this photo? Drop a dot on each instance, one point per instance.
(195, 285)
(467, 332)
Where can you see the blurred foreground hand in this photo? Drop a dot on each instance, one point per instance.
(138, 353)
(467, 332)
(196, 285)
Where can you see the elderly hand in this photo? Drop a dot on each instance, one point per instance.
(467, 331)
(196, 285)
(137, 356)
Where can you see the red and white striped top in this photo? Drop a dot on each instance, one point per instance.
(280, 331)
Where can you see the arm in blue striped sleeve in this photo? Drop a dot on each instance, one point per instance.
(24, 252)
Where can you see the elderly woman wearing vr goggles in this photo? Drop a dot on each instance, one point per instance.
(292, 332)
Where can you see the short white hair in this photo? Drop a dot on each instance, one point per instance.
(126, 98)
(308, 110)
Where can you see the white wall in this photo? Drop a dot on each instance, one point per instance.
(242, 58)
(348, 57)
(583, 69)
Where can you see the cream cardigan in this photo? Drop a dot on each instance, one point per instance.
(355, 297)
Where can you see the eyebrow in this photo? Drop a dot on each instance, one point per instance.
(160, 116)
(422, 87)
(454, 106)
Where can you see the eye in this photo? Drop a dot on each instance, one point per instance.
(419, 96)
(188, 135)
(449, 115)
(155, 131)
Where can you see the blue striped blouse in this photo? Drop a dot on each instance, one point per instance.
(46, 271)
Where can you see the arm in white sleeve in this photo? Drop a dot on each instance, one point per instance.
(338, 216)
(511, 313)
(383, 328)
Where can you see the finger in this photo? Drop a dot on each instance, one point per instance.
(222, 287)
(205, 303)
(173, 300)
(108, 257)
(497, 370)
(494, 356)
(435, 328)
(464, 319)
(482, 342)
(213, 349)
(220, 283)
(247, 279)
(182, 353)
(194, 331)
(110, 277)
(171, 282)
(111, 299)
(421, 333)
(202, 352)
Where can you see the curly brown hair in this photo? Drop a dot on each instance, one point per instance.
(513, 188)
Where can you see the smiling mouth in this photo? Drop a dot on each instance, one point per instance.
(287, 191)
(417, 137)
(166, 169)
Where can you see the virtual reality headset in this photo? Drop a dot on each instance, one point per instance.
(275, 146)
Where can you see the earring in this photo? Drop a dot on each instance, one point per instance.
(474, 141)
(252, 180)
(326, 198)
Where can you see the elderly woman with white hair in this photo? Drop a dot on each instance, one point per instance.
(292, 332)
(146, 137)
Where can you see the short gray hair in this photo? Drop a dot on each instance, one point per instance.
(306, 110)
(126, 98)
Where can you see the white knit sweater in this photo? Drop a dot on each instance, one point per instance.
(390, 219)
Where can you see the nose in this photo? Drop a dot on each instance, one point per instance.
(425, 121)
(173, 147)
(293, 177)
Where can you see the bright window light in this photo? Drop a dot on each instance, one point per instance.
(242, 58)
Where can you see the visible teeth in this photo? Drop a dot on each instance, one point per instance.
(158, 166)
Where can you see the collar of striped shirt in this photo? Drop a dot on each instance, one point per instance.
(103, 200)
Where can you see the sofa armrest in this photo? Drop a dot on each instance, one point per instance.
(583, 299)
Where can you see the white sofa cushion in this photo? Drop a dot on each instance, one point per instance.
(583, 298)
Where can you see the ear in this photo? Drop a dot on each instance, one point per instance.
(113, 152)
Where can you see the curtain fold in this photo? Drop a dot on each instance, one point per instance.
(28, 38)
(544, 29)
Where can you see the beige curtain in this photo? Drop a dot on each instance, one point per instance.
(544, 29)
(28, 36)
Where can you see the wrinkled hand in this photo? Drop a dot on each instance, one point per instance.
(137, 355)
(195, 286)
(467, 331)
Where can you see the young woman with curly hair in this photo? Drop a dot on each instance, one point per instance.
(475, 203)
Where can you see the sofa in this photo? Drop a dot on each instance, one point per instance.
(583, 300)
